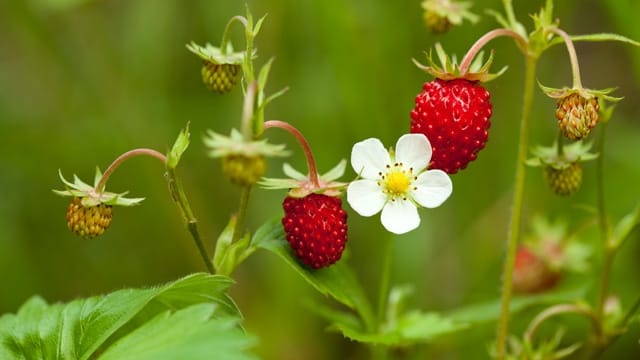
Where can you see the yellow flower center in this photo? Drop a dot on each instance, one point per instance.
(397, 181)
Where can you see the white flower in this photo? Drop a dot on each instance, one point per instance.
(396, 183)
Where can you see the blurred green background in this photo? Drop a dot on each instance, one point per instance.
(84, 81)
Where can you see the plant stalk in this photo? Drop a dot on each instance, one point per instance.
(105, 176)
(179, 197)
(516, 212)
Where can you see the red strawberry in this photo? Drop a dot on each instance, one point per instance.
(316, 228)
(532, 274)
(454, 115)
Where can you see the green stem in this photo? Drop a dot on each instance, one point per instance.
(242, 212)
(227, 31)
(105, 176)
(575, 67)
(380, 351)
(516, 212)
(602, 210)
(605, 231)
(179, 197)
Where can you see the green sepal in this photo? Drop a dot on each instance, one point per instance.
(88, 194)
(215, 55)
(179, 147)
(449, 68)
(299, 184)
(234, 144)
(557, 93)
(551, 156)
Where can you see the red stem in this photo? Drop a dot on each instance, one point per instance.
(482, 41)
(311, 163)
(122, 158)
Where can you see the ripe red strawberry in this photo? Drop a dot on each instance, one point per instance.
(454, 115)
(316, 228)
(532, 274)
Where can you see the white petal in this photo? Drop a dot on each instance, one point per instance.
(433, 188)
(365, 197)
(369, 157)
(400, 216)
(413, 151)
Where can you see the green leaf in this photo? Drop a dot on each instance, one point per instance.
(222, 245)
(194, 332)
(411, 328)
(624, 227)
(490, 311)
(84, 327)
(337, 280)
(179, 147)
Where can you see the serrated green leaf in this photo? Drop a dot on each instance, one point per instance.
(337, 281)
(178, 148)
(624, 227)
(194, 332)
(84, 327)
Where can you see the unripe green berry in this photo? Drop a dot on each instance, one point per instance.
(220, 78)
(564, 181)
(243, 170)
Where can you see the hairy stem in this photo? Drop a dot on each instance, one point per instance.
(311, 163)
(516, 211)
(227, 31)
(179, 197)
(575, 67)
(122, 158)
(475, 48)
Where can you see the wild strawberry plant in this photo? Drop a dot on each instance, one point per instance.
(195, 317)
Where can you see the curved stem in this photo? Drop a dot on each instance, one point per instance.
(179, 197)
(482, 41)
(122, 158)
(557, 310)
(575, 67)
(311, 163)
(227, 31)
(516, 212)
(385, 275)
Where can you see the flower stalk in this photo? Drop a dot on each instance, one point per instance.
(311, 163)
(516, 211)
(131, 153)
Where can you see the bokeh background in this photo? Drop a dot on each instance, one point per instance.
(84, 81)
